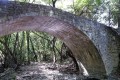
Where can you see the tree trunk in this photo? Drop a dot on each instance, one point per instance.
(53, 48)
(28, 47)
(119, 19)
(119, 24)
(35, 55)
(53, 3)
(22, 55)
(9, 60)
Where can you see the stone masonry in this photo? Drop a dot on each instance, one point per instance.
(104, 38)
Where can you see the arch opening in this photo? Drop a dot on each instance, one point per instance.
(81, 46)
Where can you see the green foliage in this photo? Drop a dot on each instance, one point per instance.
(85, 7)
(47, 1)
(115, 9)
(30, 46)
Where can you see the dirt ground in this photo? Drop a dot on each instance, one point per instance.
(44, 71)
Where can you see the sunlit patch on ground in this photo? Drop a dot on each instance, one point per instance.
(40, 71)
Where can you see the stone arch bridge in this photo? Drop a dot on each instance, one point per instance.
(95, 45)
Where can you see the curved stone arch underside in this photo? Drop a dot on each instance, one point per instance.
(104, 38)
(81, 46)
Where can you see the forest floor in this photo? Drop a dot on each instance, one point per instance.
(42, 71)
(45, 71)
